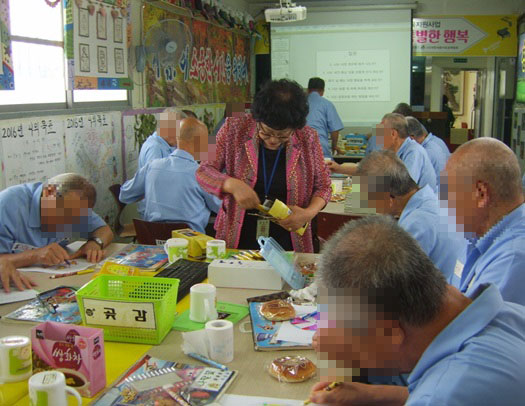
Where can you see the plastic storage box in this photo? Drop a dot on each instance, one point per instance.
(131, 309)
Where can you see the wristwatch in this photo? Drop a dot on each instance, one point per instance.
(98, 241)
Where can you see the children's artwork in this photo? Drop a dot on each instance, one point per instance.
(236, 400)
(7, 79)
(59, 304)
(74, 265)
(97, 31)
(153, 381)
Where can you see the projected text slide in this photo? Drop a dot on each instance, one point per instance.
(361, 75)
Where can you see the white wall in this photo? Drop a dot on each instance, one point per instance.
(469, 7)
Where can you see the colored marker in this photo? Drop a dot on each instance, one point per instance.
(208, 361)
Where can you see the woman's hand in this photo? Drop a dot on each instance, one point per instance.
(243, 194)
(297, 219)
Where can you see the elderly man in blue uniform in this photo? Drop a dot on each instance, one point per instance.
(436, 148)
(391, 190)
(385, 308)
(482, 185)
(168, 185)
(37, 220)
(323, 117)
(392, 134)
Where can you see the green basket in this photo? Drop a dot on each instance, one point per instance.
(134, 309)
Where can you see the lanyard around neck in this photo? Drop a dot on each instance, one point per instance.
(268, 184)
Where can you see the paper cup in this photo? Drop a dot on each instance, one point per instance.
(216, 249)
(176, 248)
(15, 359)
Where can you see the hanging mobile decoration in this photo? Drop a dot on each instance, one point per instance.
(52, 3)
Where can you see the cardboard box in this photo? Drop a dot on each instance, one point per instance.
(76, 351)
(234, 273)
(196, 241)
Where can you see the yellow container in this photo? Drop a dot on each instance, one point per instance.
(196, 241)
(280, 211)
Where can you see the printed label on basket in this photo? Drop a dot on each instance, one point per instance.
(120, 314)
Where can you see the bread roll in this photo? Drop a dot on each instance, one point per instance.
(292, 369)
(277, 310)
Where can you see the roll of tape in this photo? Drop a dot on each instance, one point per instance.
(215, 249)
(220, 338)
(15, 359)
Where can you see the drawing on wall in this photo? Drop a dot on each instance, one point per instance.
(117, 30)
(93, 148)
(119, 60)
(102, 57)
(453, 83)
(102, 29)
(83, 22)
(84, 57)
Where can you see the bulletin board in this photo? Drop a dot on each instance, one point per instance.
(7, 80)
(199, 63)
(96, 42)
(36, 149)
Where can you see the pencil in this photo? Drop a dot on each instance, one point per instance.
(63, 275)
(326, 389)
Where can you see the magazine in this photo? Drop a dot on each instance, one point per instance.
(150, 257)
(155, 381)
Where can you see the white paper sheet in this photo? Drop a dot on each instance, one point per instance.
(236, 400)
(78, 264)
(289, 332)
(16, 295)
(301, 311)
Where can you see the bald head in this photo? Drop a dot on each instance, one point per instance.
(190, 129)
(490, 161)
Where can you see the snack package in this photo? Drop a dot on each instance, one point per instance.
(196, 241)
(76, 351)
(292, 369)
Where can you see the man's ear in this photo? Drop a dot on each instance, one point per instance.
(398, 334)
(49, 190)
(482, 194)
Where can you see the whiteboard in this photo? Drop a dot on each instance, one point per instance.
(346, 48)
(32, 149)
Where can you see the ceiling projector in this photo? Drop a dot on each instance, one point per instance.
(287, 12)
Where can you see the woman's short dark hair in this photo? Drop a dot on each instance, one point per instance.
(281, 104)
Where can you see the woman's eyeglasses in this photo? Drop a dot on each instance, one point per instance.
(265, 135)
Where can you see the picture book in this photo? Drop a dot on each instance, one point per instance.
(58, 304)
(143, 256)
(282, 335)
(155, 381)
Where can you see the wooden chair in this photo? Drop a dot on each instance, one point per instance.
(122, 230)
(149, 232)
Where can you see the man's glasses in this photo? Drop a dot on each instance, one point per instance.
(265, 135)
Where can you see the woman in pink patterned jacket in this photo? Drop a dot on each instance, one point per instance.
(269, 154)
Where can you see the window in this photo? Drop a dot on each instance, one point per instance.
(37, 43)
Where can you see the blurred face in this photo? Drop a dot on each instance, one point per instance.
(370, 194)
(205, 147)
(169, 126)
(352, 335)
(385, 135)
(57, 212)
(465, 198)
(273, 139)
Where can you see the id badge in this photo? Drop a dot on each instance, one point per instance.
(263, 228)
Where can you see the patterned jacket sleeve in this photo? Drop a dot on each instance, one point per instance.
(210, 174)
(322, 182)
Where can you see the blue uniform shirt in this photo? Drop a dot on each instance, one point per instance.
(171, 192)
(477, 359)
(153, 148)
(421, 219)
(20, 220)
(372, 146)
(498, 258)
(437, 151)
(323, 118)
(418, 163)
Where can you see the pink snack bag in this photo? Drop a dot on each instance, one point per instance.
(76, 351)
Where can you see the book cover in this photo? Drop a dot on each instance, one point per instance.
(144, 256)
(155, 381)
(62, 300)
